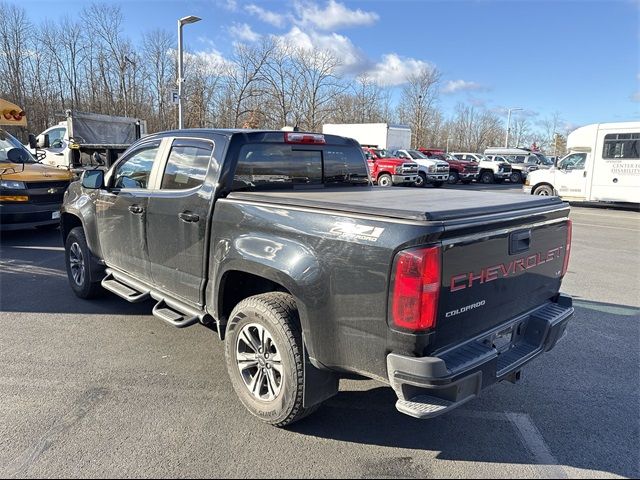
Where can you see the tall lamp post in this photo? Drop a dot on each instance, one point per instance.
(506, 140)
(183, 21)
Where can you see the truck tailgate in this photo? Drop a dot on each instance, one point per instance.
(491, 277)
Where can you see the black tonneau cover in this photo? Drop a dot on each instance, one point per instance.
(404, 203)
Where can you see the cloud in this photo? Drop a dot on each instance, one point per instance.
(272, 18)
(352, 58)
(229, 5)
(454, 86)
(333, 16)
(393, 70)
(243, 32)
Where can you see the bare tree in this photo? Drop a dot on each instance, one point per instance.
(417, 102)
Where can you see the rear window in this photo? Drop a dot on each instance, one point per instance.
(281, 165)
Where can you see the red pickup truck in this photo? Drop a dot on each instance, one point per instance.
(458, 169)
(387, 170)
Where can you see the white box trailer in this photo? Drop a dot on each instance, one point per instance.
(603, 165)
(379, 135)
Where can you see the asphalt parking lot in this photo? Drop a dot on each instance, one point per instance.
(103, 389)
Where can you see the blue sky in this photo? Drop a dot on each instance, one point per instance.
(579, 58)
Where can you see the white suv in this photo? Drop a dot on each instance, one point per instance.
(489, 170)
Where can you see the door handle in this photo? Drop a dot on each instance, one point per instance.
(136, 209)
(189, 217)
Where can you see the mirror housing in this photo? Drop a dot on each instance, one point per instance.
(33, 143)
(93, 179)
(42, 141)
(17, 155)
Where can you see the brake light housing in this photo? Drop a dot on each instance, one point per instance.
(567, 251)
(304, 138)
(415, 289)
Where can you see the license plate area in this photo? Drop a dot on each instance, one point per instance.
(505, 339)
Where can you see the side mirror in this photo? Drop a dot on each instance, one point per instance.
(93, 179)
(42, 141)
(33, 143)
(17, 155)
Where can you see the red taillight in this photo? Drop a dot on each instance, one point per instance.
(308, 138)
(567, 251)
(416, 286)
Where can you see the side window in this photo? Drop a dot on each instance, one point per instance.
(134, 172)
(574, 161)
(187, 164)
(56, 137)
(622, 145)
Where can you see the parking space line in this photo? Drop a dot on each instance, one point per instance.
(607, 226)
(534, 442)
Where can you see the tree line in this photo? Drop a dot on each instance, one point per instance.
(86, 63)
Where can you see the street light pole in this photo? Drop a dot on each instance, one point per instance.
(506, 140)
(183, 21)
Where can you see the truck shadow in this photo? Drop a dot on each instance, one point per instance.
(582, 397)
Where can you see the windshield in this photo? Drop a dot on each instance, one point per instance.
(416, 154)
(7, 142)
(382, 153)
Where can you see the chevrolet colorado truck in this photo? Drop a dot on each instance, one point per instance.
(308, 273)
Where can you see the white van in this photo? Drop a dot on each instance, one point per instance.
(603, 165)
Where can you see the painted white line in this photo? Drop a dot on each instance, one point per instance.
(51, 249)
(534, 441)
(607, 227)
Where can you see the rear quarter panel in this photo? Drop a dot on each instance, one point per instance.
(336, 267)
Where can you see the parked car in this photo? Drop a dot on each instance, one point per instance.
(459, 170)
(522, 160)
(602, 166)
(278, 241)
(432, 171)
(30, 193)
(387, 169)
(489, 171)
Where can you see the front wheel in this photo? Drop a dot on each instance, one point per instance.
(515, 177)
(421, 181)
(78, 262)
(453, 178)
(384, 180)
(486, 177)
(264, 357)
(543, 190)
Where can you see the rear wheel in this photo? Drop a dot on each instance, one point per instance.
(543, 190)
(78, 262)
(421, 181)
(453, 178)
(487, 177)
(384, 180)
(515, 177)
(264, 356)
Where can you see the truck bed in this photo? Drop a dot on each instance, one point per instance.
(403, 203)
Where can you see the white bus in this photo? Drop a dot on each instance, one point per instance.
(603, 165)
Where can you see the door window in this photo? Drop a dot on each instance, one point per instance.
(187, 164)
(574, 161)
(134, 172)
(56, 137)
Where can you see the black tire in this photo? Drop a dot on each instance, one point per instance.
(384, 180)
(544, 190)
(78, 255)
(438, 184)
(487, 177)
(277, 314)
(453, 178)
(515, 177)
(421, 182)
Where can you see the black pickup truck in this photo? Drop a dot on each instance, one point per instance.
(310, 274)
